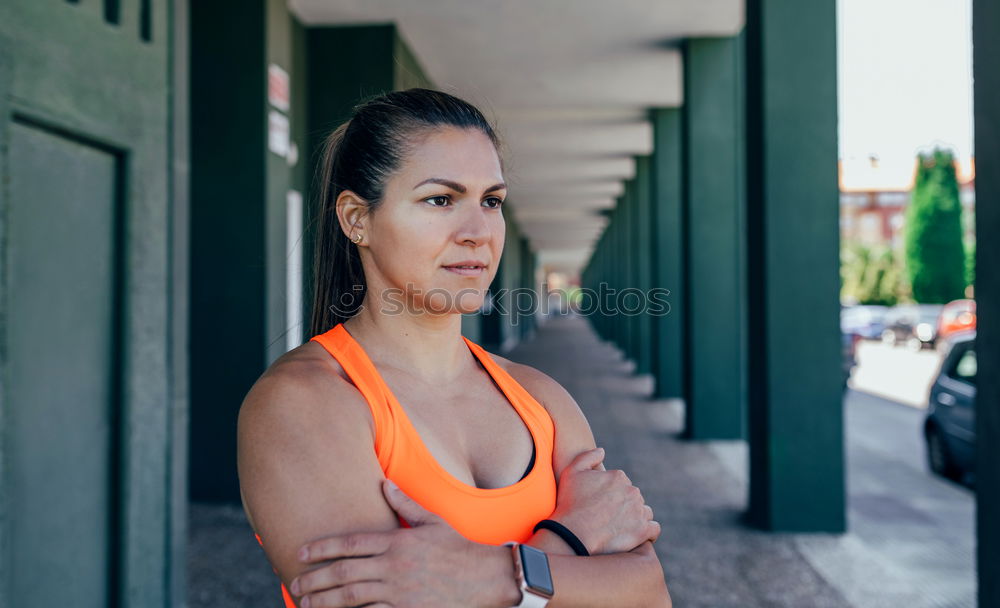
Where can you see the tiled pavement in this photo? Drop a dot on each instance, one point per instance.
(910, 543)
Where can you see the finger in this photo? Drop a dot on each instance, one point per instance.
(587, 460)
(356, 544)
(654, 530)
(341, 572)
(412, 511)
(354, 594)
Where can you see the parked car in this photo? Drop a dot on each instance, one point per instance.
(956, 316)
(864, 320)
(848, 351)
(914, 325)
(950, 425)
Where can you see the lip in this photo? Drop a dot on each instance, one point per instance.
(467, 272)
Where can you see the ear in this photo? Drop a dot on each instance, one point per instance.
(352, 213)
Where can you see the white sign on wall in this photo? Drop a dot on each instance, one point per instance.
(277, 133)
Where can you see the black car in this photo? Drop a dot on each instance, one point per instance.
(950, 426)
(912, 325)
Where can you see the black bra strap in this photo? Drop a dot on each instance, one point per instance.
(531, 464)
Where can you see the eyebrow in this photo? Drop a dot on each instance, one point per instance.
(457, 186)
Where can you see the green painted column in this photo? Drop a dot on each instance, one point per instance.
(643, 265)
(489, 326)
(628, 271)
(715, 352)
(513, 273)
(527, 285)
(986, 47)
(795, 393)
(606, 276)
(279, 181)
(667, 251)
(229, 232)
(593, 275)
(618, 279)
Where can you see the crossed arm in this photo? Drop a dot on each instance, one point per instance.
(309, 477)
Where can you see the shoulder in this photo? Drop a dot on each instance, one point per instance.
(573, 432)
(301, 389)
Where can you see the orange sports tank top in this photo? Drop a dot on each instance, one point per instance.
(484, 515)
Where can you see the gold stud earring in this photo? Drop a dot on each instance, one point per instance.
(356, 240)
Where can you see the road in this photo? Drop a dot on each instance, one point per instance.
(895, 372)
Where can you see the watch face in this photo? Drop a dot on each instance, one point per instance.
(536, 570)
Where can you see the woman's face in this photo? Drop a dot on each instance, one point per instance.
(441, 208)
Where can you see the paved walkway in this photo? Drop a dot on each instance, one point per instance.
(910, 543)
(709, 559)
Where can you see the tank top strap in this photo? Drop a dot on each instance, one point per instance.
(339, 343)
(534, 413)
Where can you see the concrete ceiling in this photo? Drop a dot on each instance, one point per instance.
(567, 82)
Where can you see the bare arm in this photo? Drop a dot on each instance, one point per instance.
(306, 462)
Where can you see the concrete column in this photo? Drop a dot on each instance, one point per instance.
(986, 47)
(667, 249)
(795, 392)
(716, 394)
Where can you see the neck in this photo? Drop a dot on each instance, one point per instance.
(427, 346)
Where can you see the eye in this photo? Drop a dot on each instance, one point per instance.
(499, 202)
(440, 196)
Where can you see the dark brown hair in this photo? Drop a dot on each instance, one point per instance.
(361, 155)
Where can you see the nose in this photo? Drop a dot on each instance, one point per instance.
(475, 227)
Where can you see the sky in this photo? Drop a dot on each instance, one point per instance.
(904, 84)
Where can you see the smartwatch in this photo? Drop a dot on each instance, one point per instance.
(531, 570)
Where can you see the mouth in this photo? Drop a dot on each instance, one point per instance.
(467, 270)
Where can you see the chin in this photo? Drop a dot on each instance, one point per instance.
(469, 303)
(466, 301)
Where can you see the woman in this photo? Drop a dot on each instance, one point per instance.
(411, 231)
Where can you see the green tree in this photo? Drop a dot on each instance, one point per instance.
(935, 256)
(870, 276)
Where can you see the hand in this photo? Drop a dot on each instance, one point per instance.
(603, 508)
(404, 568)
